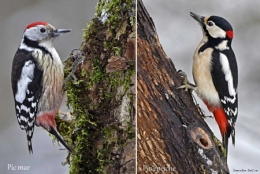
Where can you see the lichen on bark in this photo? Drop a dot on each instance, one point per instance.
(102, 98)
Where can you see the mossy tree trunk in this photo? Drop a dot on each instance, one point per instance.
(102, 98)
(172, 135)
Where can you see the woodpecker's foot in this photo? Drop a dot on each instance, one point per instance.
(66, 116)
(201, 112)
(78, 57)
(208, 116)
(186, 85)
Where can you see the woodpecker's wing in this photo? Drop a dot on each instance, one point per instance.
(225, 78)
(26, 84)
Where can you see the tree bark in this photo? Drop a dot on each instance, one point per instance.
(101, 93)
(172, 136)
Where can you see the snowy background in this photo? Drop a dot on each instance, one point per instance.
(14, 17)
(180, 34)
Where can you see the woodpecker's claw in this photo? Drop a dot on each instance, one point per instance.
(66, 116)
(77, 56)
(201, 112)
(186, 85)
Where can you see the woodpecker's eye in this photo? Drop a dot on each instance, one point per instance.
(210, 23)
(42, 30)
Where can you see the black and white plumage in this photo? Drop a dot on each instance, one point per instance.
(225, 78)
(26, 90)
(37, 77)
(215, 73)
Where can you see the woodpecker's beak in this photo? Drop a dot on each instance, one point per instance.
(60, 31)
(198, 18)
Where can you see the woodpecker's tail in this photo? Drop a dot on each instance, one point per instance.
(225, 138)
(54, 132)
(29, 140)
(224, 126)
(29, 133)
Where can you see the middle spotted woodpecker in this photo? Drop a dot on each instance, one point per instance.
(37, 77)
(215, 73)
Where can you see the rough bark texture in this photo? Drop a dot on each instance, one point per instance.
(172, 135)
(102, 94)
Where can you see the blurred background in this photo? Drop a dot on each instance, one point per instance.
(180, 34)
(14, 17)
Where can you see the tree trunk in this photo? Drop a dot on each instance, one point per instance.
(101, 95)
(172, 135)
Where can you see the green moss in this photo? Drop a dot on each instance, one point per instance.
(220, 146)
(130, 131)
(95, 133)
(88, 28)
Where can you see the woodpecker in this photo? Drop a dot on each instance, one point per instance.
(37, 77)
(215, 73)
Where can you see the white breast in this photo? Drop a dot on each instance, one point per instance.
(202, 76)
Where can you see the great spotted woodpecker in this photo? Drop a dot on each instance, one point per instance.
(37, 77)
(215, 73)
